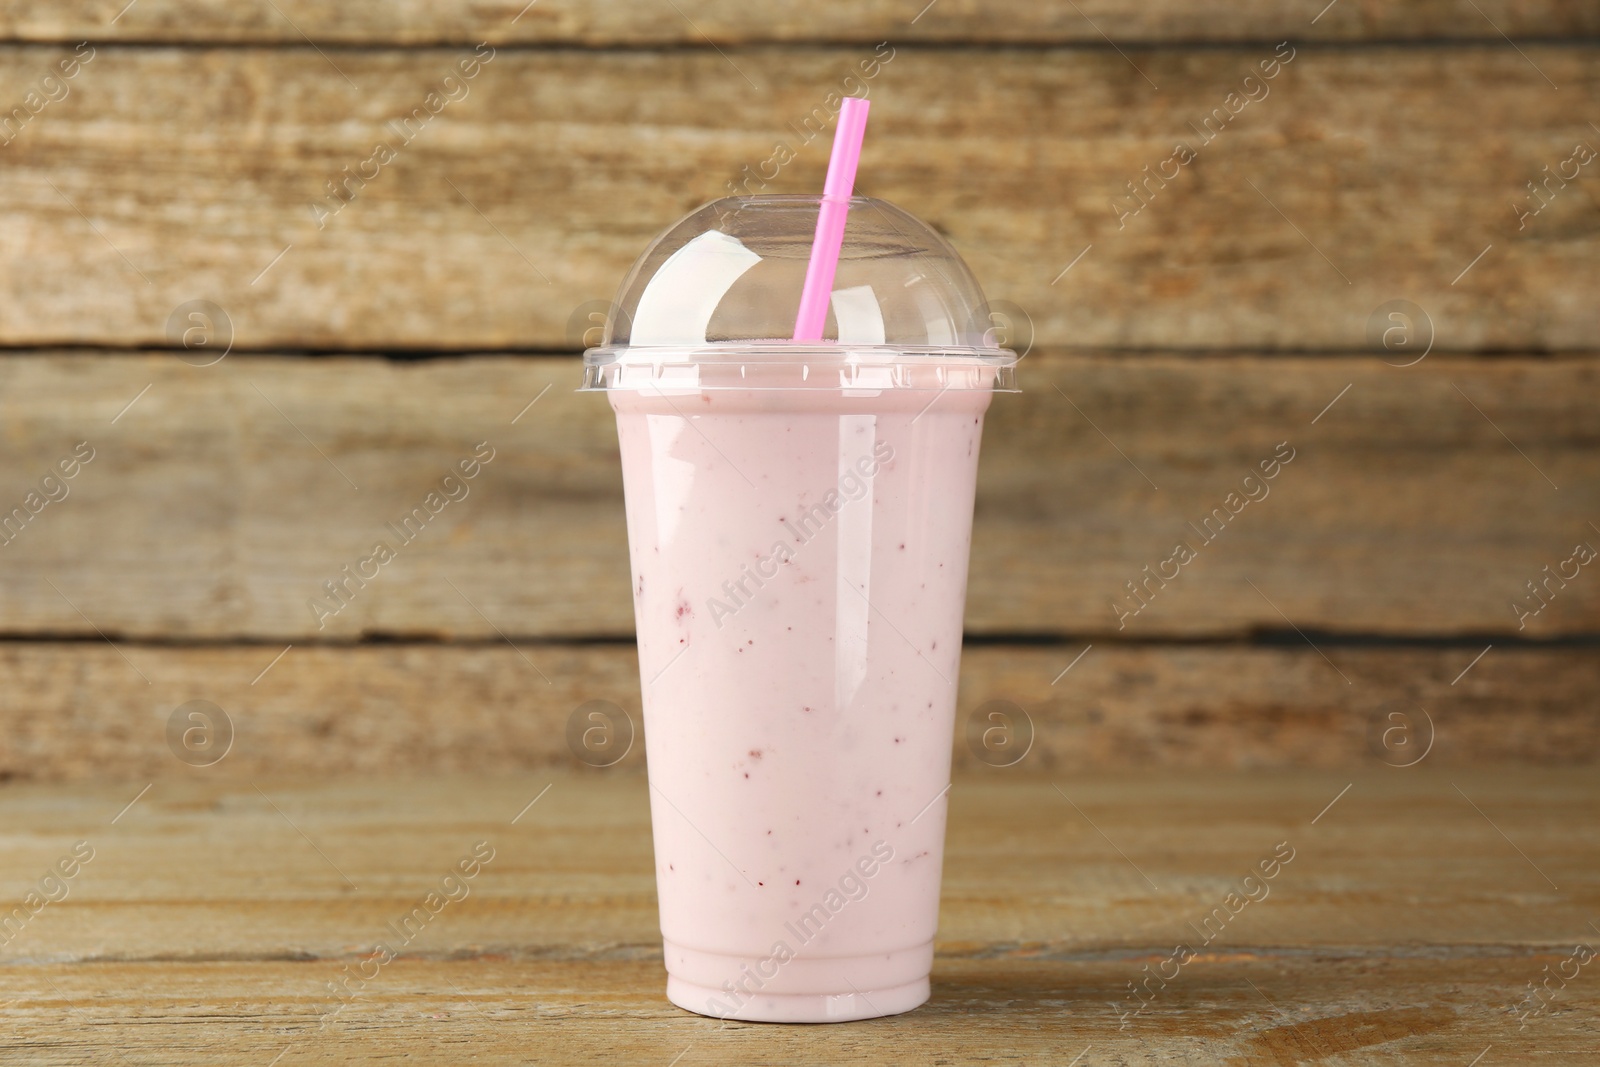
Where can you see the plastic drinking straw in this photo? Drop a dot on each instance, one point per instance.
(835, 210)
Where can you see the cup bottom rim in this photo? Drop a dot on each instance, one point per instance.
(801, 1007)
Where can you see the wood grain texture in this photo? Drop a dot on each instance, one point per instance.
(174, 174)
(220, 502)
(638, 22)
(81, 712)
(1404, 929)
(1435, 1010)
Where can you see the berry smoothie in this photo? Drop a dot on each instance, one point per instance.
(799, 568)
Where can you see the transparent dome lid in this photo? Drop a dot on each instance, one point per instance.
(712, 304)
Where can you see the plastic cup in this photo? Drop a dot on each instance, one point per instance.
(799, 522)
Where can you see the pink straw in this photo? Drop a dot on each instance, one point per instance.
(835, 209)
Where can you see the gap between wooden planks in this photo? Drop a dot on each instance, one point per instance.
(703, 23)
(79, 712)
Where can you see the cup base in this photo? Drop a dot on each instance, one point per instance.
(799, 1007)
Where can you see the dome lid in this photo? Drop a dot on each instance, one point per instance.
(723, 285)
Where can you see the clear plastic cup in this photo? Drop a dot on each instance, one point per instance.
(799, 521)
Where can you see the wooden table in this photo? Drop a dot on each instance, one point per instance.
(216, 911)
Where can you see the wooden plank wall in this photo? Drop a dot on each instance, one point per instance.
(1179, 334)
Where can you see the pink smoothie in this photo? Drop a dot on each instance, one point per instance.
(799, 572)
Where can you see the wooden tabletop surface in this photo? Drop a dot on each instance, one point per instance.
(214, 912)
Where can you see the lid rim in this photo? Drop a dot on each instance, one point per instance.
(804, 351)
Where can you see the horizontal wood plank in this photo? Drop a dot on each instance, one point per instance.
(1022, 1009)
(638, 22)
(208, 927)
(1420, 501)
(83, 712)
(1358, 177)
